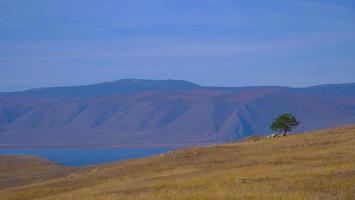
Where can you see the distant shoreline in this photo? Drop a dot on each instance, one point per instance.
(103, 146)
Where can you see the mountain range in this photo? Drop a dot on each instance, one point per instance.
(135, 112)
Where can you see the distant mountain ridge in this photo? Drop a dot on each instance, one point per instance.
(163, 112)
(109, 88)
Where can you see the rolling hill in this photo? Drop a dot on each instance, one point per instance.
(163, 112)
(317, 165)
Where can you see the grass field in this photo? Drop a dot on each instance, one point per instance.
(318, 165)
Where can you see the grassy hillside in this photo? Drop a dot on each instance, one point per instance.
(318, 165)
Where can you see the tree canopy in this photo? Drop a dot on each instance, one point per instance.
(284, 123)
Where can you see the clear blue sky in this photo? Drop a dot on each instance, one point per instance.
(210, 42)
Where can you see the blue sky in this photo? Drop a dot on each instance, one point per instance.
(211, 42)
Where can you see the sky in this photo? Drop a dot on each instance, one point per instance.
(293, 43)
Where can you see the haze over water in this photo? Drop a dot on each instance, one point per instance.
(86, 156)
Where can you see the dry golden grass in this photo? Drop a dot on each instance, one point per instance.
(318, 165)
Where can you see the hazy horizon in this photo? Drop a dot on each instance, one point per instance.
(54, 86)
(212, 43)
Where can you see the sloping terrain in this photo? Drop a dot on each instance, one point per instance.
(19, 171)
(317, 165)
(146, 112)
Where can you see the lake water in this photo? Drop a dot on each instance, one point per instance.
(86, 156)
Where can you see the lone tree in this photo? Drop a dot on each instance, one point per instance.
(284, 123)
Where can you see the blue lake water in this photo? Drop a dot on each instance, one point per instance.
(86, 156)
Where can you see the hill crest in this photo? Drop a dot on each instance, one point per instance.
(317, 165)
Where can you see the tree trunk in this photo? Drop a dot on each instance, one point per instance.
(285, 133)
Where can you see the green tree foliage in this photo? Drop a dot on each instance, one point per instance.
(284, 123)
